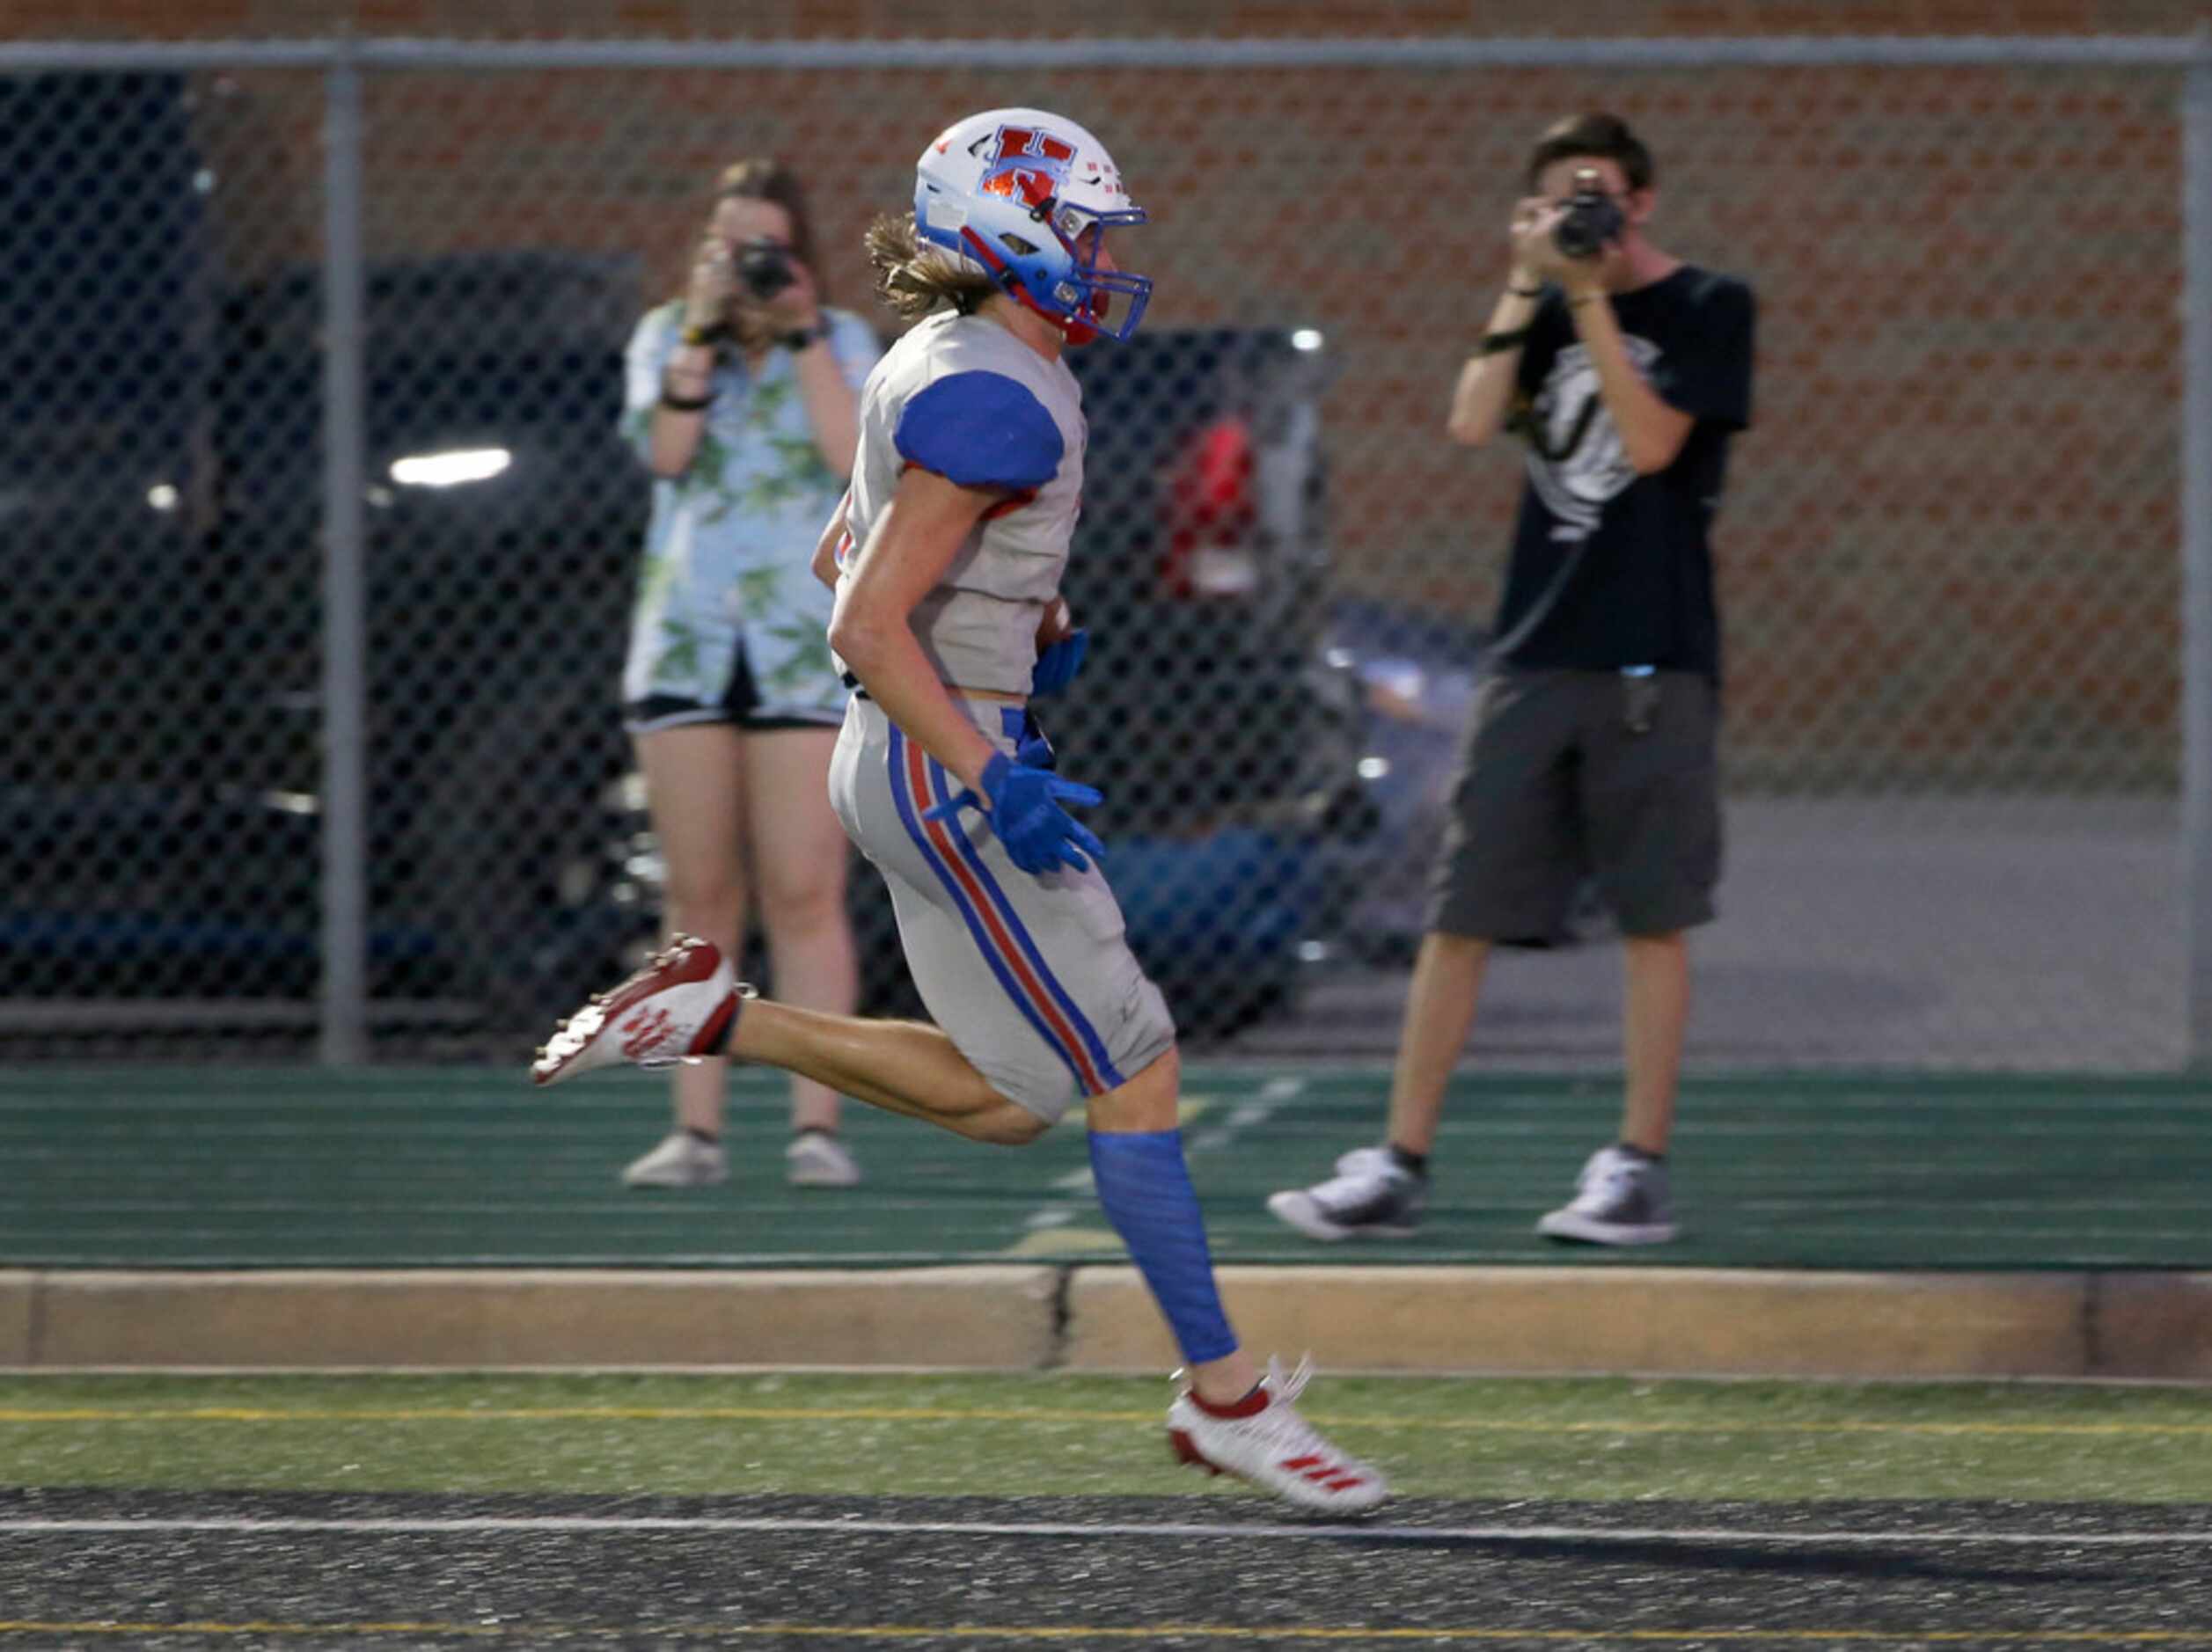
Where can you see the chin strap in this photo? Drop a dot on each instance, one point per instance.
(1010, 283)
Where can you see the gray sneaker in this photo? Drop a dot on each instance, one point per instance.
(1371, 1194)
(1621, 1199)
(681, 1160)
(818, 1159)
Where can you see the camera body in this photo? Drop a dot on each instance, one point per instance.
(764, 269)
(1591, 217)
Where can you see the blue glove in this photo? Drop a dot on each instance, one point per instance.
(1056, 666)
(1025, 811)
(1033, 748)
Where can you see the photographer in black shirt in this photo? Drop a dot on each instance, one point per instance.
(1592, 751)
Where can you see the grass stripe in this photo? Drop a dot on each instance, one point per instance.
(905, 1413)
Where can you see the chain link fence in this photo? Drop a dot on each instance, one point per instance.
(1949, 555)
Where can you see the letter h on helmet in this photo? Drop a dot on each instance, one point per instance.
(1016, 193)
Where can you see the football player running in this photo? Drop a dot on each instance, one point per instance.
(946, 555)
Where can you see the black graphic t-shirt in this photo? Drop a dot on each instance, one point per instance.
(1610, 569)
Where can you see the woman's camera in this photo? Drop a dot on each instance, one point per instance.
(765, 268)
(1590, 219)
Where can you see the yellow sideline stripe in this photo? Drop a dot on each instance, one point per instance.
(1274, 1632)
(893, 1414)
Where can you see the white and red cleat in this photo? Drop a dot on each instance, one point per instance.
(683, 1005)
(1262, 1439)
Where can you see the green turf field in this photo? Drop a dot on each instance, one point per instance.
(147, 1167)
(1020, 1436)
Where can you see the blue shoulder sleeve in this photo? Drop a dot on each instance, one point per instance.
(980, 430)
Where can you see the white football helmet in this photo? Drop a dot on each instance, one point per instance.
(1014, 193)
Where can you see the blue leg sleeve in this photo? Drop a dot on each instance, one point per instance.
(1145, 1189)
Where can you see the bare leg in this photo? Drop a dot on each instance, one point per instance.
(908, 1068)
(1149, 1102)
(800, 857)
(905, 1067)
(1440, 1011)
(1656, 1015)
(695, 785)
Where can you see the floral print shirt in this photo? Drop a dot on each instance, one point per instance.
(725, 573)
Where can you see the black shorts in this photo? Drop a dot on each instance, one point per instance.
(1556, 787)
(739, 707)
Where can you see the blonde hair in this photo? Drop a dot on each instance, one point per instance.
(914, 278)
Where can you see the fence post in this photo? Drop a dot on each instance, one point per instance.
(2196, 546)
(344, 1007)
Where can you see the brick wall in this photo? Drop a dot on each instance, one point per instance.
(1950, 547)
(929, 19)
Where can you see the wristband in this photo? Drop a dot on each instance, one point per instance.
(800, 338)
(686, 403)
(1524, 292)
(696, 336)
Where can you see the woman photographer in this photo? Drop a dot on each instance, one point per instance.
(742, 399)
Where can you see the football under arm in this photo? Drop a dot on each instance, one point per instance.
(908, 550)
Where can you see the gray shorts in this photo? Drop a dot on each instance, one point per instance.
(1555, 786)
(1031, 978)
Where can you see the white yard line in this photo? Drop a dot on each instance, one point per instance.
(1857, 1537)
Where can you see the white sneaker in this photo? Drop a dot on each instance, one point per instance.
(1621, 1199)
(1275, 1449)
(681, 1006)
(681, 1160)
(1371, 1194)
(818, 1158)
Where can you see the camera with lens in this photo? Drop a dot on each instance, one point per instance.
(763, 266)
(1590, 218)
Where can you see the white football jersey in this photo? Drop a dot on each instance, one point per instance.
(963, 396)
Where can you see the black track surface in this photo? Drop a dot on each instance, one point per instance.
(1646, 1574)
